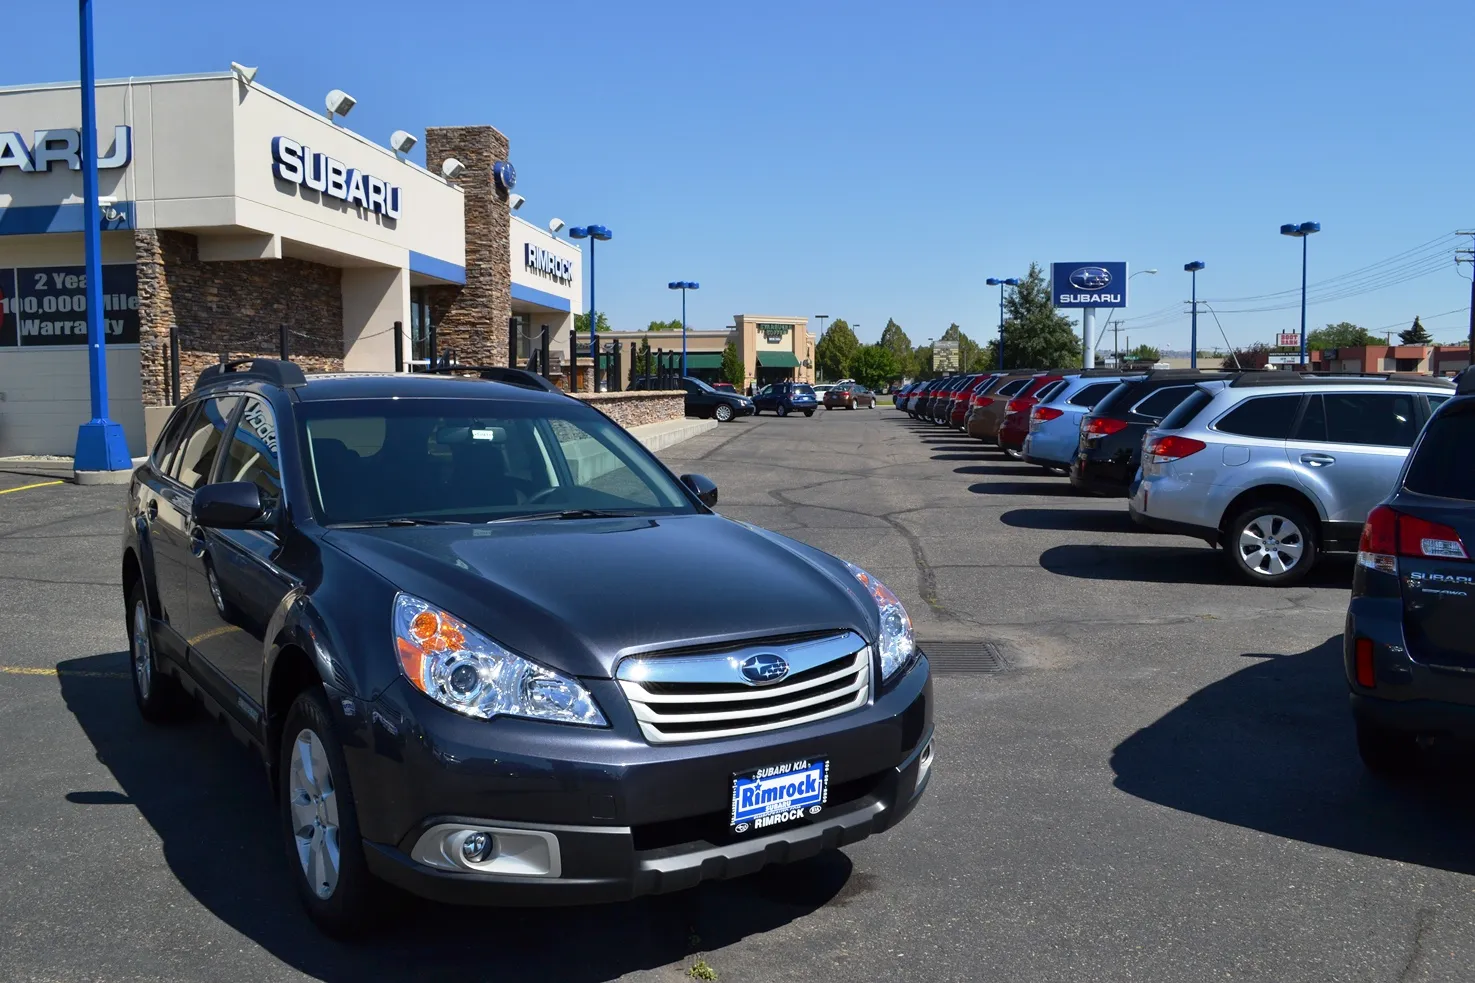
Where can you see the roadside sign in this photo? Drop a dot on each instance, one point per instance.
(1289, 339)
(1088, 284)
(1285, 359)
(944, 356)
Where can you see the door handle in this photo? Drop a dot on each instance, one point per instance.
(1318, 460)
(153, 509)
(197, 541)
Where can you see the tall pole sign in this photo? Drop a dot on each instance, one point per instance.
(101, 445)
(1088, 286)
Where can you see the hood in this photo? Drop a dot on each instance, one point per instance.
(579, 595)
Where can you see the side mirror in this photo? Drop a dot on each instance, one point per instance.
(228, 505)
(704, 488)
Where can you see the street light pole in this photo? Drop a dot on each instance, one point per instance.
(1192, 269)
(593, 233)
(683, 286)
(1012, 281)
(1302, 232)
(101, 444)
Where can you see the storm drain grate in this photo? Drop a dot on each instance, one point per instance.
(951, 657)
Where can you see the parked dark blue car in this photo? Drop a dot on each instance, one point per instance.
(785, 398)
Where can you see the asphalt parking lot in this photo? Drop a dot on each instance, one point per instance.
(1162, 785)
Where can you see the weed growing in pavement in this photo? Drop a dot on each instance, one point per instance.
(699, 970)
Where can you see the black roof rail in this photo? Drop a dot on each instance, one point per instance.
(1324, 378)
(285, 374)
(501, 373)
(1096, 373)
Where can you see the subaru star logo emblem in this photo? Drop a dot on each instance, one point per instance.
(1091, 278)
(764, 668)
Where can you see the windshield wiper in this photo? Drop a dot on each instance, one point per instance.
(398, 521)
(569, 514)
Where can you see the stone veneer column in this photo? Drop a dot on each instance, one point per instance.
(155, 317)
(472, 319)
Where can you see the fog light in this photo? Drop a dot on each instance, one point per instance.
(477, 847)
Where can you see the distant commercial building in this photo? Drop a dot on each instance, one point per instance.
(1439, 360)
(772, 348)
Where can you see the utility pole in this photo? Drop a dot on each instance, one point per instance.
(1116, 349)
(1468, 256)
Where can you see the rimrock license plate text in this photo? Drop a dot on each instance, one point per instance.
(779, 794)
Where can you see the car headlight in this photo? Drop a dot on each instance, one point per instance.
(459, 667)
(897, 645)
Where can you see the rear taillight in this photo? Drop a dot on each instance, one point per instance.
(1020, 405)
(1043, 413)
(1362, 658)
(983, 400)
(1173, 448)
(1102, 426)
(1389, 534)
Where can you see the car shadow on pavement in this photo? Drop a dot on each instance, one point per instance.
(206, 797)
(1044, 486)
(1069, 520)
(1172, 565)
(1008, 468)
(1271, 748)
(978, 453)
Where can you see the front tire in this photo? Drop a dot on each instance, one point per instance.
(808, 413)
(1389, 753)
(1271, 545)
(782, 410)
(723, 413)
(320, 823)
(159, 697)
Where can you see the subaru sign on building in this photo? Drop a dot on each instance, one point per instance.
(1089, 284)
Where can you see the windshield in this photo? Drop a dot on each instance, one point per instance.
(476, 460)
(700, 384)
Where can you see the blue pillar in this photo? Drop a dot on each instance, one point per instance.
(1303, 297)
(1193, 331)
(101, 445)
(683, 331)
(593, 326)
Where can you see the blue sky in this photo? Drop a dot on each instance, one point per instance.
(874, 160)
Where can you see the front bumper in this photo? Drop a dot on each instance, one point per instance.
(630, 818)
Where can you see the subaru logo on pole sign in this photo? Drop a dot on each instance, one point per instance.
(1089, 284)
(764, 668)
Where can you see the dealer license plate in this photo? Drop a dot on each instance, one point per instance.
(779, 794)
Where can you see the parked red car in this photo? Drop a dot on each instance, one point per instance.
(1016, 414)
(964, 401)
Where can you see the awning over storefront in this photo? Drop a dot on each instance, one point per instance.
(778, 360)
(703, 360)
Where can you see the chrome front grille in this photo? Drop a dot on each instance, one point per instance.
(701, 697)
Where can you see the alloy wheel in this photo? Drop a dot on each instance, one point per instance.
(314, 803)
(143, 655)
(1271, 544)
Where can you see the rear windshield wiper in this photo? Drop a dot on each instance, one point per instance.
(398, 521)
(568, 514)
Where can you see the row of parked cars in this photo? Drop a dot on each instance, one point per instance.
(1278, 468)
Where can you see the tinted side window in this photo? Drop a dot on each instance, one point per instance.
(1110, 402)
(170, 437)
(252, 455)
(196, 455)
(1443, 464)
(1010, 388)
(1185, 411)
(1385, 419)
(1269, 417)
(1162, 402)
(1089, 396)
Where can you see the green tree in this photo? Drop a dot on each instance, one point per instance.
(732, 365)
(1035, 334)
(969, 354)
(672, 325)
(873, 366)
(834, 350)
(900, 346)
(581, 323)
(1257, 356)
(1343, 334)
(922, 362)
(1415, 334)
(1144, 353)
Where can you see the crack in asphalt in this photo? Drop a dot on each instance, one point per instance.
(1423, 921)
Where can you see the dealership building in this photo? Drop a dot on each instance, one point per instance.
(235, 221)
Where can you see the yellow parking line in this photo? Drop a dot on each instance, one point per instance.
(37, 671)
(39, 484)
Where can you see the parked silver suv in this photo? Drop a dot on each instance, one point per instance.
(1277, 467)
